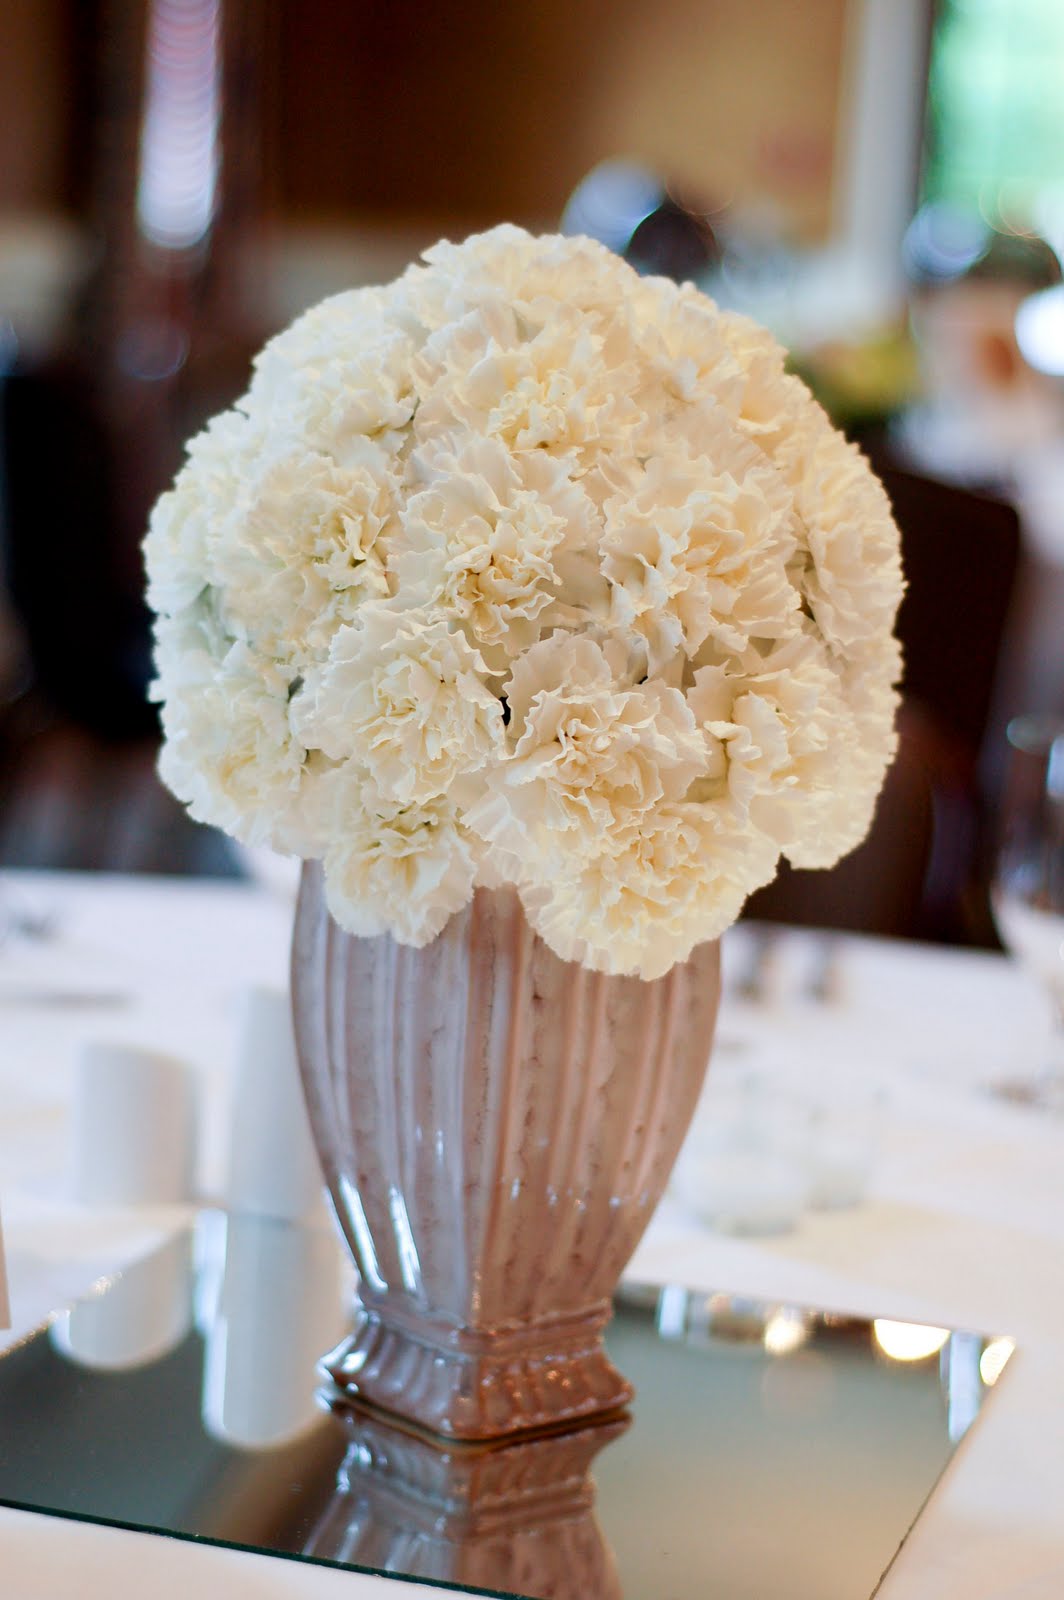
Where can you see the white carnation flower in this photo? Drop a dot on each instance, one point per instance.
(306, 552)
(398, 869)
(552, 390)
(497, 540)
(861, 757)
(787, 738)
(402, 693)
(508, 267)
(689, 348)
(188, 521)
(700, 550)
(340, 373)
(229, 753)
(674, 881)
(587, 756)
(855, 582)
(769, 392)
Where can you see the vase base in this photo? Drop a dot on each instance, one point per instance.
(475, 1385)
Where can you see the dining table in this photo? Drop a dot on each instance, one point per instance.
(958, 1220)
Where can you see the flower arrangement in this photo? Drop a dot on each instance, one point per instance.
(527, 570)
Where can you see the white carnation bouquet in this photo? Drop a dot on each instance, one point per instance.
(527, 570)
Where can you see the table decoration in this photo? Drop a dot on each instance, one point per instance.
(134, 1127)
(272, 1168)
(773, 1449)
(518, 1518)
(538, 604)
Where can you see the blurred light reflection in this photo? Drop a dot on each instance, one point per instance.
(908, 1341)
(179, 134)
(994, 1359)
(785, 1331)
(611, 202)
(959, 1373)
(943, 241)
(1040, 331)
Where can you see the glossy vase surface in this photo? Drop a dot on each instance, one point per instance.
(496, 1127)
(517, 1518)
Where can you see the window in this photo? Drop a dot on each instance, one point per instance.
(996, 111)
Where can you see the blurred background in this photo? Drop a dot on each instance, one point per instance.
(881, 181)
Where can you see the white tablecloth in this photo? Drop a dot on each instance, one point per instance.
(964, 1223)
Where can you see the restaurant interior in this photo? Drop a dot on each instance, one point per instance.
(881, 184)
(877, 184)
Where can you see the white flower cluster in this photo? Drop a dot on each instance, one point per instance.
(528, 570)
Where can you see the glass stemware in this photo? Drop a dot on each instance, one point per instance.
(1028, 888)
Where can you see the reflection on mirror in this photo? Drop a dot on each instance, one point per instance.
(136, 1319)
(516, 1517)
(279, 1306)
(185, 1398)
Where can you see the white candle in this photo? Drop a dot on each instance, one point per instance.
(134, 1127)
(273, 1166)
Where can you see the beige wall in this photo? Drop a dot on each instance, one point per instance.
(485, 109)
(736, 98)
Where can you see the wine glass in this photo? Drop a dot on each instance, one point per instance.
(1028, 887)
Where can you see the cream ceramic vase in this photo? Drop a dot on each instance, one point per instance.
(496, 1127)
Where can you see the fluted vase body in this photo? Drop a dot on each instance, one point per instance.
(496, 1127)
(517, 1517)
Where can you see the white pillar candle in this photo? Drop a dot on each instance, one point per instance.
(134, 1127)
(273, 1166)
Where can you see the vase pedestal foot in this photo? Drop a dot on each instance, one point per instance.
(514, 1516)
(477, 1384)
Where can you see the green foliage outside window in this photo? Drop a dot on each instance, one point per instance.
(996, 111)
